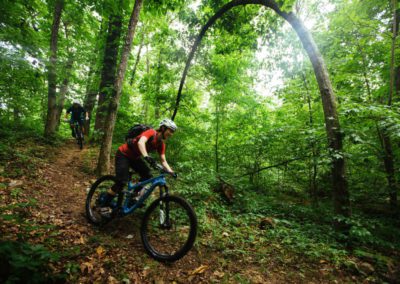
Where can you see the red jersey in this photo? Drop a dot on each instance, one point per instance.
(152, 144)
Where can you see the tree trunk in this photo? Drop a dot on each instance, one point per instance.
(91, 93)
(145, 103)
(16, 115)
(341, 197)
(397, 83)
(388, 163)
(217, 138)
(51, 121)
(157, 101)
(137, 59)
(108, 72)
(104, 156)
(384, 138)
(313, 146)
(384, 133)
(365, 71)
(392, 55)
(93, 77)
(64, 88)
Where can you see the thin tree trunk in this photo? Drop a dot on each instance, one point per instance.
(397, 69)
(314, 171)
(341, 199)
(384, 138)
(104, 156)
(145, 103)
(91, 94)
(388, 163)
(392, 56)
(384, 133)
(137, 59)
(217, 137)
(108, 72)
(365, 74)
(16, 115)
(157, 105)
(397, 84)
(92, 86)
(64, 88)
(51, 121)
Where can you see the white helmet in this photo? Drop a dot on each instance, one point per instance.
(169, 124)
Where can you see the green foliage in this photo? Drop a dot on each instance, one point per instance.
(25, 263)
(251, 114)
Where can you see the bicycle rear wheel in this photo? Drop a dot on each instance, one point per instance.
(96, 212)
(168, 228)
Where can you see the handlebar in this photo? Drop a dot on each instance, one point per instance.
(163, 171)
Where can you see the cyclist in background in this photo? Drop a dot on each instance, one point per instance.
(77, 114)
(130, 155)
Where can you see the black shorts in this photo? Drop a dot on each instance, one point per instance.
(122, 165)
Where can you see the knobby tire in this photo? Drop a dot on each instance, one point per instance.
(153, 242)
(92, 197)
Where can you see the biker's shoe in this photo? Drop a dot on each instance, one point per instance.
(105, 199)
(73, 133)
(106, 213)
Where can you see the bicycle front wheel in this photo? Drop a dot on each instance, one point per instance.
(168, 228)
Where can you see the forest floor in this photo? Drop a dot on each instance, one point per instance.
(114, 254)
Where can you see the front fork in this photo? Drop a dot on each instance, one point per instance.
(165, 221)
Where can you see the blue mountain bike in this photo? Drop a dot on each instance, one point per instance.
(169, 224)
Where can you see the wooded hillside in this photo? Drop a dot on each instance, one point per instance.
(287, 148)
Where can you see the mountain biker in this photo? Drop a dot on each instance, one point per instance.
(77, 114)
(129, 155)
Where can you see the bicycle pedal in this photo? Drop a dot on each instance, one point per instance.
(105, 212)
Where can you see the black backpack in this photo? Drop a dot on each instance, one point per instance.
(136, 130)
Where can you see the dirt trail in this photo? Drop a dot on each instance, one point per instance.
(109, 252)
(114, 254)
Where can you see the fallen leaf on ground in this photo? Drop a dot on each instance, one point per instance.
(15, 183)
(219, 274)
(112, 280)
(199, 270)
(80, 241)
(100, 251)
(86, 266)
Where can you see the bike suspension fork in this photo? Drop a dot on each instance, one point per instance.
(164, 207)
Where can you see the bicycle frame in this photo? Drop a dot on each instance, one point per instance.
(155, 182)
(77, 126)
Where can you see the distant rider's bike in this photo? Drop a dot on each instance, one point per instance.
(169, 225)
(79, 136)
